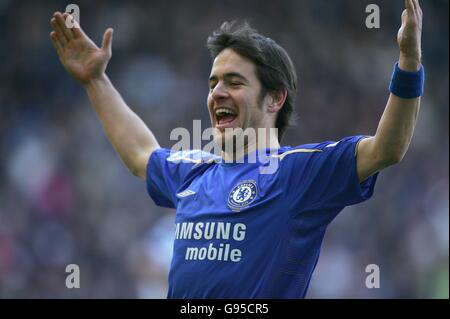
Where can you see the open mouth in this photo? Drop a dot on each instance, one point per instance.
(224, 116)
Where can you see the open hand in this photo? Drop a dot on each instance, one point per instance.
(79, 55)
(409, 35)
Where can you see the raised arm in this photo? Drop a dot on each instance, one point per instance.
(86, 62)
(397, 124)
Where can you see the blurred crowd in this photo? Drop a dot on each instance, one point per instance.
(66, 198)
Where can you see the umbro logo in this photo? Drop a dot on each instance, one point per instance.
(185, 193)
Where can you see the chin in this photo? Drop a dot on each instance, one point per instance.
(223, 139)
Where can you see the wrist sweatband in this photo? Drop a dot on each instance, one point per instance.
(407, 85)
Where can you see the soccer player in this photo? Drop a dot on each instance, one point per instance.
(240, 233)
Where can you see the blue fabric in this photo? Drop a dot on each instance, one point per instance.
(407, 85)
(243, 234)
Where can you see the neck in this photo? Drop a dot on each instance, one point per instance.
(269, 140)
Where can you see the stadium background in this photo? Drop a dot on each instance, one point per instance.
(65, 196)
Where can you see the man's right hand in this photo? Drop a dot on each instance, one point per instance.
(77, 52)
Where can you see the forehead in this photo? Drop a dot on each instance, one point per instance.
(228, 61)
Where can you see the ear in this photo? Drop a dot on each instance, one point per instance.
(276, 100)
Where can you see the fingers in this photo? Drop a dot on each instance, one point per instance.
(409, 6)
(107, 40)
(76, 30)
(61, 20)
(64, 34)
(418, 8)
(412, 13)
(56, 43)
(58, 31)
(413, 8)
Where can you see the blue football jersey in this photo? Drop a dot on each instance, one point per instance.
(241, 233)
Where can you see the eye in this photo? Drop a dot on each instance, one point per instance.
(235, 83)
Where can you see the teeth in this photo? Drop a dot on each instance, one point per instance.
(224, 112)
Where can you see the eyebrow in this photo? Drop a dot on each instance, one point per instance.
(230, 75)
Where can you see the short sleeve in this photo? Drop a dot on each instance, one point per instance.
(167, 171)
(325, 177)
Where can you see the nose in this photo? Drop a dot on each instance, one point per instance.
(219, 92)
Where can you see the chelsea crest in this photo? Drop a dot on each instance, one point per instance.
(242, 195)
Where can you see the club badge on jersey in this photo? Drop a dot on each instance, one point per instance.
(242, 195)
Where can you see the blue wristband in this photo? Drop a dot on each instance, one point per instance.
(407, 85)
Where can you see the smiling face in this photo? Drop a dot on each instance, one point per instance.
(234, 99)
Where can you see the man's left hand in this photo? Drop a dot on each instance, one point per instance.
(409, 37)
